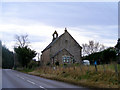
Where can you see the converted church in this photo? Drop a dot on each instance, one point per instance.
(62, 49)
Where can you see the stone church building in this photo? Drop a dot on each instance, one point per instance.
(62, 49)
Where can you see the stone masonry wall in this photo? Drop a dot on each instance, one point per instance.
(67, 42)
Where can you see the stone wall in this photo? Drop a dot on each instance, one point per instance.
(67, 42)
(59, 56)
(45, 57)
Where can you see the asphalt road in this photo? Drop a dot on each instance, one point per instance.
(15, 79)
(0, 78)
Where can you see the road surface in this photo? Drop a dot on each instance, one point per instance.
(0, 78)
(15, 79)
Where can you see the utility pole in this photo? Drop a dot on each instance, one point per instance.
(0, 54)
(118, 50)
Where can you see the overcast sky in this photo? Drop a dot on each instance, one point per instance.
(84, 21)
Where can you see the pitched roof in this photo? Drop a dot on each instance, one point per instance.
(52, 43)
(75, 40)
(61, 51)
(57, 40)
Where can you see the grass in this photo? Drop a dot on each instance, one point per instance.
(81, 75)
(26, 70)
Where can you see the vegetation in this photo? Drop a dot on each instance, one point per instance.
(92, 47)
(104, 57)
(57, 63)
(32, 64)
(7, 58)
(84, 75)
(24, 53)
(21, 41)
(106, 75)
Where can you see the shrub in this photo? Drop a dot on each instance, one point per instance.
(48, 64)
(32, 64)
(57, 63)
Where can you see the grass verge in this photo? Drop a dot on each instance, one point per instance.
(83, 76)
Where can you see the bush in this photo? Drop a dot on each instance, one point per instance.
(32, 64)
(65, 65)
(57, 63)
(48, 64)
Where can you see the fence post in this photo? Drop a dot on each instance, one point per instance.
(88, 67)
(81, 67)
(96, 68)
(95, 65)
(116, 71)
(104, 68)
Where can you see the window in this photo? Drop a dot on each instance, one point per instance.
(66, 59)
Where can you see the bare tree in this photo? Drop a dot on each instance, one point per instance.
(92, 47)
(22, 40)
(23, 53)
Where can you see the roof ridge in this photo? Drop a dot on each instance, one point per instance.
(52, 43)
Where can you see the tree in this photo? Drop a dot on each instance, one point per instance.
(106, 56)
(94, 56)
(117, 47)
(109, 55)
(24, 53)
(7, 58)
(32, 64)
(92, 47)
(22, 40)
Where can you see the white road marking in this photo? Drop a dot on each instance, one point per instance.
(36, 84)
(41, 87)
(30, 82)
(21, 77)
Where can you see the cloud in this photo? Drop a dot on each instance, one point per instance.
(84, 21)
(63, 14)
(40, 35)
(106, 35)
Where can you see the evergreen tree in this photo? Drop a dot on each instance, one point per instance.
(7, 58)
(24, 53)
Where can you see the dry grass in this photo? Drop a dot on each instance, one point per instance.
(84, 75)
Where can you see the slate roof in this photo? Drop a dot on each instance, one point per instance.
(75, 41)
(52, 43)
(57, 40)
(61, 51)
